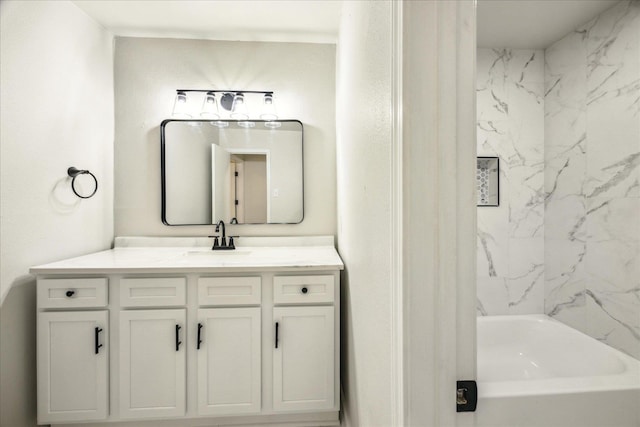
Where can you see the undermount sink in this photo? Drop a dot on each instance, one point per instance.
(212, 253)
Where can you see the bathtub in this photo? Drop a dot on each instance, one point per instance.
(534, 371)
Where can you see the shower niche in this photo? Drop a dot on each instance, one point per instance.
(488, 181)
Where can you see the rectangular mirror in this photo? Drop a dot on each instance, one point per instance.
(245, 171)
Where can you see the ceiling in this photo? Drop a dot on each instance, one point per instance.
(501, 23)
(309, 21)
(533, 23)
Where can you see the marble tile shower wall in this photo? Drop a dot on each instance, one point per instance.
(565, 123)
(592, 171)
(511, 126)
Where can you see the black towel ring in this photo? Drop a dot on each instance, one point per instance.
(73, 173)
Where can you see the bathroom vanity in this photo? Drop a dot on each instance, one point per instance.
(166, 328)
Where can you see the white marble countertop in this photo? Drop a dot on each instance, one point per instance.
(180, 255)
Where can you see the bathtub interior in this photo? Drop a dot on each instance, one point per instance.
(534, 371)
(534, 354)
(536, 346)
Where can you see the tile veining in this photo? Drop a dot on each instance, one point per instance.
(511, 126)
(592, 209)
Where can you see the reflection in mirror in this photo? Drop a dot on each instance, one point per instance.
(249, 172)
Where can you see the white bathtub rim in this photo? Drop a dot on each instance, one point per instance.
(555, 386)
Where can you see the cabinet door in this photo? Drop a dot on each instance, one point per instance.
(152, 363)
(229, 361)
(72, 366)
(303, 359)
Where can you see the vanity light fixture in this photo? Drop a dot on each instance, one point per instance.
(239, 110)
(220, 104)
(180, 106)
(268, 108)
(210, 107)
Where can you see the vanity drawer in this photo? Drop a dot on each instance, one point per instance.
(229, 290)
(303, 289)
(153, 291)
(72, 293)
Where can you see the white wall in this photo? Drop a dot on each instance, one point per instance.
(406, 217)
(364, 219)
(438, 212)
(510, 119)
(147, 73)
(56, 111)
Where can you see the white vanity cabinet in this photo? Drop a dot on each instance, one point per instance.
(303, 361)
(228, 343)
(304, 357)
(152, 348)
(152, 363)
(229, 361)
(73, 350)
(188, 341)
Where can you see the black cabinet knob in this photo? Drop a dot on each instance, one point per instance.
(304, 290)
(69, 294)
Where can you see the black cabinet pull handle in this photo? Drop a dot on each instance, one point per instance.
(69, 294)
(276, 334)
(199, 340)
(96, 341)
(304, 290)
(178, 342)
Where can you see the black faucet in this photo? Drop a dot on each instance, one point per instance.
(224, 234)
(222, 245)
